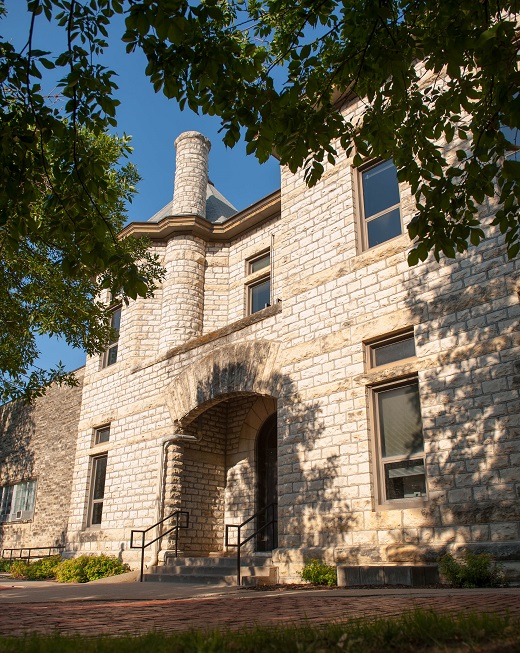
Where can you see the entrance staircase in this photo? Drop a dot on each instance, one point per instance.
(254, 570)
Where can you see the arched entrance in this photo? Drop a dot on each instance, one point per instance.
(267, 485)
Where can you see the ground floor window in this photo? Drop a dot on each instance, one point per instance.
(399, 441)
(99, 472)
(17, 501)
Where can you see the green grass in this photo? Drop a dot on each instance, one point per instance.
(419, 631)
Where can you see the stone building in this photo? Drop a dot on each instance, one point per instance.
(292, 364)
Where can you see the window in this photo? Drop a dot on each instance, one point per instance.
(381, 215)
(392, 349)
(102, 434)
(99, 472)
(259, 283)
(110, 356)
(397, 424)
(17, 501)
(512, 136)
(400, 441)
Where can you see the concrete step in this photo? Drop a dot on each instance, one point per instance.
(212, 570)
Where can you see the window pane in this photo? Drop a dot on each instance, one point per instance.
(102, 435)
(384, 228)
(260, 296)
(97, 512)
(405, 479)
(394, 351)
(400, 421)
(112, 355)
(380, 188)
(260, 263)
(100, 470)
(115, 323)
(5, 507)
(513, 136)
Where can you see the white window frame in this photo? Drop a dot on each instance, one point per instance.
(363, 221)
(17, 501)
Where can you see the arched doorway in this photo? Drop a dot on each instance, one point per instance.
(267, 485)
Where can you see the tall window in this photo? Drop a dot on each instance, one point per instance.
(110, 356)
(381, 215)
(397, 425)
(258, 283)
(97, 491)
(17, 501)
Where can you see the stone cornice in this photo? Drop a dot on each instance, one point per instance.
(174, 225)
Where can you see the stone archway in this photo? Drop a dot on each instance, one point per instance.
(218, 404)
(230, 370)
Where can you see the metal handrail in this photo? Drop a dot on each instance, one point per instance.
(240, 542)
(177, 514)
(58, 548)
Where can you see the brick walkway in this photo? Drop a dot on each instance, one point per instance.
(243, 609)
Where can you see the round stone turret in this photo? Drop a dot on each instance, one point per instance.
(191, 174)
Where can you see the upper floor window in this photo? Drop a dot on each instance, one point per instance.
(110, 355)
(258, 283)
(17, 501)
(381, 215)
(512, 136)
(391, 349)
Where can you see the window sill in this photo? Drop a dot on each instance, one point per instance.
(402, 504)
(384, 250)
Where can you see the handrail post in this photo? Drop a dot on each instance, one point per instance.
(177, 535)
(239, 542)
(142, 557)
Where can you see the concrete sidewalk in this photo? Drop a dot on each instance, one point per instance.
(117, 608)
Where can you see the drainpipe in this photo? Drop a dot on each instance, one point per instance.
(165, 443)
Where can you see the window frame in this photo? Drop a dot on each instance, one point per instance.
(362, 220)
(97, 431)
(256, 278)
(94, 502)
(382, 503)
(105, 360)
(373, 345)
(15, 489)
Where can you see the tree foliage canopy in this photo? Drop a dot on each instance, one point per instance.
(428, 72)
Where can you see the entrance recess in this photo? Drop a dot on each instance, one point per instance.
(267, 484)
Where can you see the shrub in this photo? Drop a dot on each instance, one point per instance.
(319, 573)
(5, 564)
(474, 570)
(86, 568)
(102, 566)
(19, 569)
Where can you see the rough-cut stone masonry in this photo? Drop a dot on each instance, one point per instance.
(38, 442)
(192, 364)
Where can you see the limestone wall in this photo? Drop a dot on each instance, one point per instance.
(38, 442)
(306, 357)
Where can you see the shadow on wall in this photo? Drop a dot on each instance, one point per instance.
(468, 379)
(16, 459)
(311, 511)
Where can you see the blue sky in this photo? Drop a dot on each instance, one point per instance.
(153, 122)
